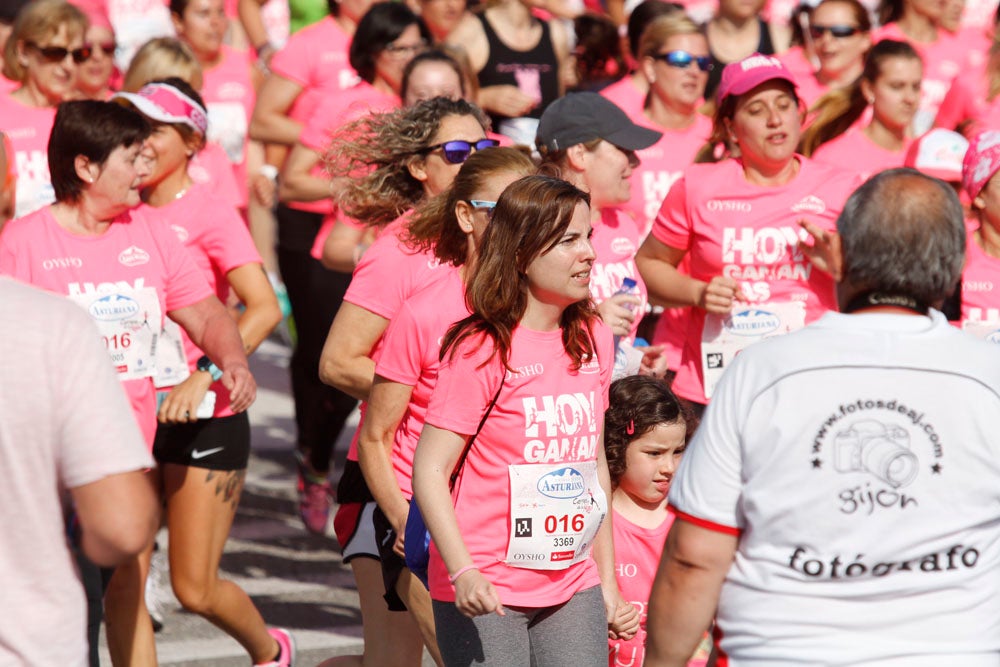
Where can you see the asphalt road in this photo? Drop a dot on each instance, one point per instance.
(297, 580)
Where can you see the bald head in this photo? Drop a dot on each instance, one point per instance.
(903, 233)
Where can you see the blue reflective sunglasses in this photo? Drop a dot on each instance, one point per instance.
(683, 60)
(459, 150)
(482, 205)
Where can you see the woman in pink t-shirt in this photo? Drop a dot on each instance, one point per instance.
(228, 89)
(980, 286)
(386, 39)
(890, 86)
(592, 144)
(450, 225)
(840, 34)
(42, 53)
(517, 411)
(646, 430)
(97, 77)
(738, 222)
(202, 443)
(392, 160)
(972, 104)
(945, 55)
(130, 274)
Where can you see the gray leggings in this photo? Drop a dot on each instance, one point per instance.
(572, 634)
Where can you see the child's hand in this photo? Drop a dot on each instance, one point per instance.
(624, 622)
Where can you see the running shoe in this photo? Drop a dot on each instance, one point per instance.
(315, 499)
(286, 645)
(159, 597)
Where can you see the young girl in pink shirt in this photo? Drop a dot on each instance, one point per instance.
(890, 87)
(517, 411)
(646, 430)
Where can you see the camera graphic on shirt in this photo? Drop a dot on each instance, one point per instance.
(880, 449)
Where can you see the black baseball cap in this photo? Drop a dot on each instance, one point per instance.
(581, 117)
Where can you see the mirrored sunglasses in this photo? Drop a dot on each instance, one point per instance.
(683, 60)
(55, 54)
(458, 151)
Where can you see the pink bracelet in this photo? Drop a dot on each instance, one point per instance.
(460, 572)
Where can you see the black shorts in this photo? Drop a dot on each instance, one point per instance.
(220, 443)
(393, 564)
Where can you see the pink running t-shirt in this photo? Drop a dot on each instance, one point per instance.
(409, 355)
(616, 239)
(662, 163)
(853, 151)
(218, 241)
(627, 97)
(335, 109)
(968, 101)
(315, 58)
(546, 413)
(28, 129)
(748, 232)
(388, 274)
(210, 165)
(134, 253)
(980, 285)
(230, 96)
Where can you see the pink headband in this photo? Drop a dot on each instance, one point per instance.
(981, 161)
(166, 104)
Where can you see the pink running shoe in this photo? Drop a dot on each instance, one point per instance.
(315, 500)
(286, 658)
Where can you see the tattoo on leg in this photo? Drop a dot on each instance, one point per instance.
(228, 484)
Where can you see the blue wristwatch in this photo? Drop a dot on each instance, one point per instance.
(205, 364)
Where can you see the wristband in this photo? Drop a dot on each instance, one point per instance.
(205, 364)
(454, 577)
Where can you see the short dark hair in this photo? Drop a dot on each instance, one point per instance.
(378, 28)
(636, 405)
(903, 232)
(92, 129)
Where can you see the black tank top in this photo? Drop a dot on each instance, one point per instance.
(534, 72)
(764, 47)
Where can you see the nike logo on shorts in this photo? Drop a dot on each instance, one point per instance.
(195, 454)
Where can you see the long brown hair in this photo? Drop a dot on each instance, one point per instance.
(838, 110)
(531, 216)
(434, 226)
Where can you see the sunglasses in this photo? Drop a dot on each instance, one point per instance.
(482, 205)
(56, 54)
(106, 47)
(458, 151)
(838, 31)
(683, 60)
(409, 49)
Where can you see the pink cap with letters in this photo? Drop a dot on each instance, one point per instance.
(981, 161)
(745, 75)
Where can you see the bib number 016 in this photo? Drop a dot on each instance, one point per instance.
(564, 523)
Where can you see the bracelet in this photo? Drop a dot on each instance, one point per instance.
(268, 171)
(454, 577)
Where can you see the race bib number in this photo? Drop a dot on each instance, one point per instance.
(988, 330)
(555, 512)
(171, 362)
(129, 324)
(725, 336)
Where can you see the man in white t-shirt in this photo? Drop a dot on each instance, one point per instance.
(67, 436)
(840, 503)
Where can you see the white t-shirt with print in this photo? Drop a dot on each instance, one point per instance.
(858, 460)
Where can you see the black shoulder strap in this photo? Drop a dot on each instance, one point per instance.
(468, 445)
